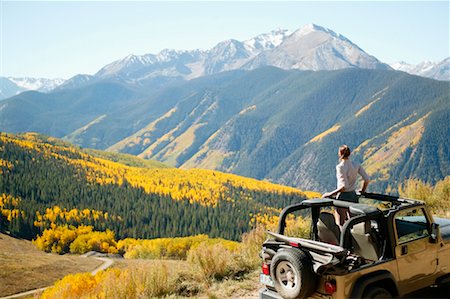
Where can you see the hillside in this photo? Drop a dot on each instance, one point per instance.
(46, 181)
(286, 126)
(24, 267)
(273, 124)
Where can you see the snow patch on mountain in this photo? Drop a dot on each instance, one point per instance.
(313, 47)
(11, 86)
(38, 84)
(429, 69)
(267, 41)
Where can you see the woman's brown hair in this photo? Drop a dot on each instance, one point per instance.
(344, 152)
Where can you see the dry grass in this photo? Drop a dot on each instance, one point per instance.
(246, 287)
(319, 137)
(23, 267)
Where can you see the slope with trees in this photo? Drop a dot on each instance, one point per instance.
(47, 183)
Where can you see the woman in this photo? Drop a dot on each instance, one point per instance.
(346, 175)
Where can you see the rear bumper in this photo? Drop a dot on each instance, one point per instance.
(268, 294)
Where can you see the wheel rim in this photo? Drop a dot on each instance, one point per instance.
(287, 276)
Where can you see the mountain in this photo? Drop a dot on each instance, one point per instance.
(268, 123)
(267, 41)
(316, 48)
(77, 82)
(44, 178)
(310, 48)
(226, 55)
(441, 71)
(167, 63)
(233, 54)
(283, 126)
(8, 88)
(433, 70)
(229, 109)
(64, 112)
(12, 86)
(38, 84)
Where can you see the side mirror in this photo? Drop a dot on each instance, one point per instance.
(434, 232)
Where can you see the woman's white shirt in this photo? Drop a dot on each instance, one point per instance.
(347, 174)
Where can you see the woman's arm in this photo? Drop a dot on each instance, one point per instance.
(334, 192)
(365, 177)
(365, 184)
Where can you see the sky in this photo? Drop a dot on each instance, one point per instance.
(60, 39)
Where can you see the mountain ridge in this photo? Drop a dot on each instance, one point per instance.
(232, 54)
(170, 65)
(434, 70)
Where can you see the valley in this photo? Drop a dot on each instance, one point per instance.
(175, 164)
(268, 124)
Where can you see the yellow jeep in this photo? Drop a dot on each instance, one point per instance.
(388, 247)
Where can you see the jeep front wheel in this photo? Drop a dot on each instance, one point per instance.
(377, 293)
(292, 274)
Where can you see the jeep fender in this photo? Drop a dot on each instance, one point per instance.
(372, 279)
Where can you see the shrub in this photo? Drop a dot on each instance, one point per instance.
(115, 283)
(437, 197)
(171, 248)
(82, 285)
(59, 238)
(250, 248)
(96, 241)
(213, 262)
(81, 239)
(138, 282)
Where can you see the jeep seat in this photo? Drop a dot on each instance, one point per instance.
(327, 228)
(363, 241)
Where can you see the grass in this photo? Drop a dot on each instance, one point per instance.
(246, 286)
(319, 137)
(23, 267)
(141, 278)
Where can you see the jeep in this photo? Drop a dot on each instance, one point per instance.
(388, 247)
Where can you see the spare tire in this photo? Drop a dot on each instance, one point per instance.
(292, 273)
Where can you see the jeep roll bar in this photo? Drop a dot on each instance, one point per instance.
(317, 203)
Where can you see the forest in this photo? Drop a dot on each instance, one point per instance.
(46, 183)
